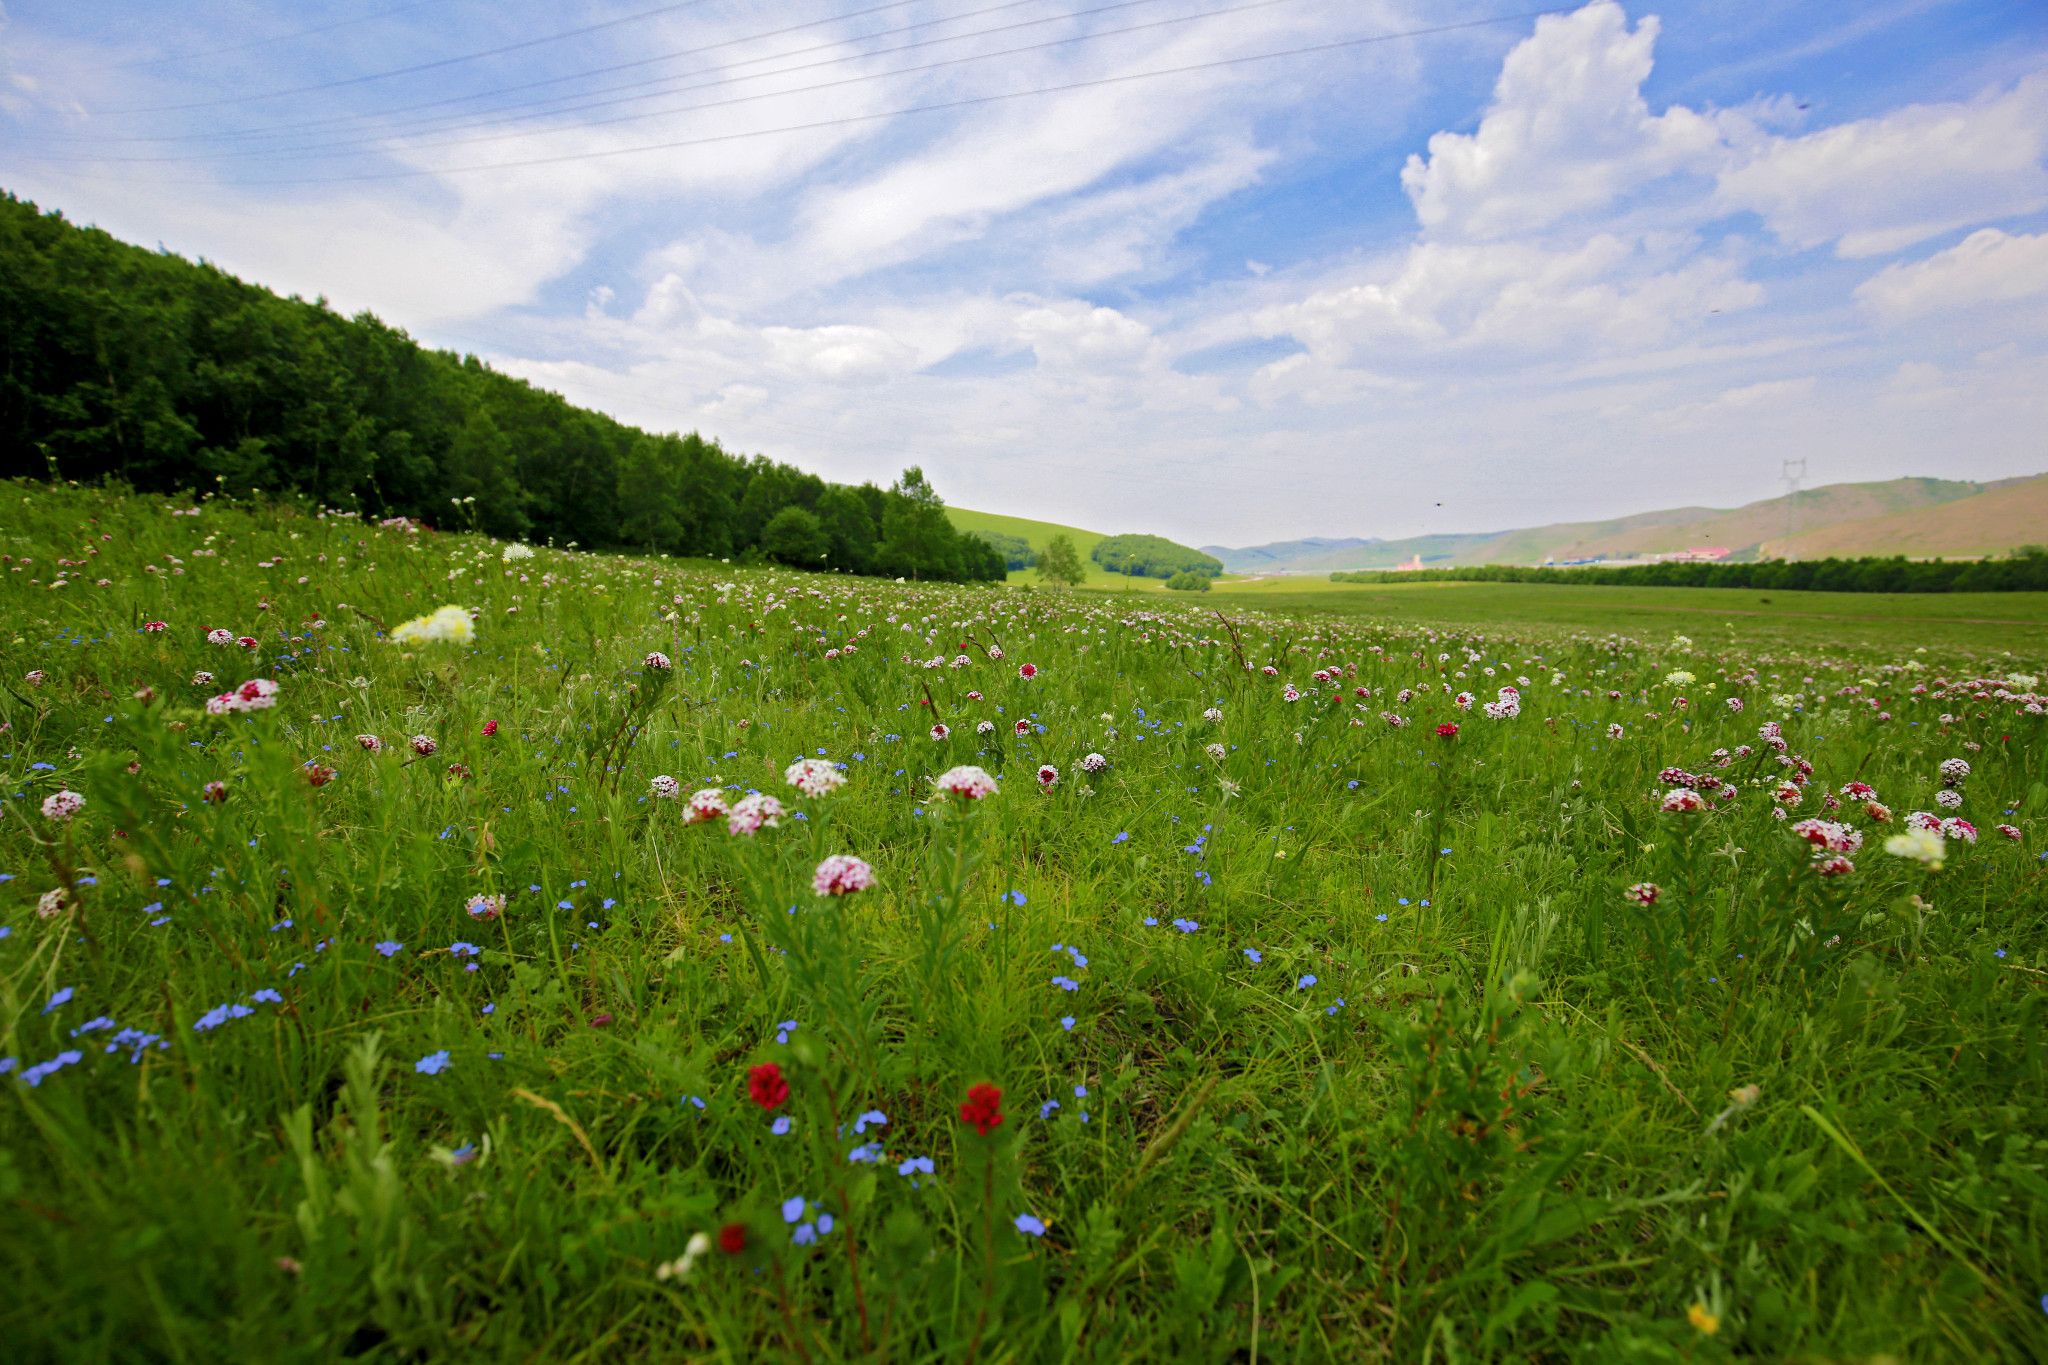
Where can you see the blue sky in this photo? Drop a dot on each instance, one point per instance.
(1526, 269)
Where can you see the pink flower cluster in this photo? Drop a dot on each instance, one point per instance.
(258, 694)
(841, 875)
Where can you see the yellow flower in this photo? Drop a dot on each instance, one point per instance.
(451, 624)
(1701, 1319)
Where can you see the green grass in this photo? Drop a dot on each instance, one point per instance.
(1037, 533)
(2016, 621)
(1359, 1050)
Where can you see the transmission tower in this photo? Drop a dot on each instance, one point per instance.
(1795, 470)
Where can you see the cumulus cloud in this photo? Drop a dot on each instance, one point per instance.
(1880, 184)
(1568, 132)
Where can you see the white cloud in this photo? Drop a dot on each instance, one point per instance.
(1878, 185)
(1568, 132)
(1987, 267)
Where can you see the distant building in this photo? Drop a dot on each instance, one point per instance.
(1698, 554)
(1414, 563)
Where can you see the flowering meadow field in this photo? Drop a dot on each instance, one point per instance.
(415, 946)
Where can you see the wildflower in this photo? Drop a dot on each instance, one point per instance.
(732, 1238)
(1682, 800)
(1948, 798)
(490, 728)
(1836, 866)
(1642, 893)
(1214, 715)
(319, 774)
(1047, 776)
(62, 805)
(215, 792)
(940, 731)
(982, 1110)
(1216, 752)
(390, 948)
(2011, 832)
(1027, 671)
(1921, 845)
(1955, 827)
(984, 727)
(485, 907)
(516, 551)
(665, 787)
(814, 777)
(423, 745)
(1615, 732)
(1954, 770)
(1029, 1226)
(51, 902)
(200, 679)
(449, 625)
(220, 637)
(1702, 1320)
(842, 875)
(370, 743)
(433, 1064)
(681, 1266)
(657, 661)
(752, 813)
(1023, 727)
(766, 1087)
(708, 804)
(1447, 731)
(966, 781)
(1094, 763)
(155, 627)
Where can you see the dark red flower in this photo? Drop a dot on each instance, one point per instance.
(1447, 731)
(601, 1021)
(732, 1238)
(983, 1109)
(490, 728)
(766, 1087)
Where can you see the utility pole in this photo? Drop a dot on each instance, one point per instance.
(1794, 471)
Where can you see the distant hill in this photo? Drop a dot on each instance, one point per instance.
(1915, 517)
(1036, 534)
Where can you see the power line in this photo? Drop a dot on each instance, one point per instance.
(854, 119)
(279, 129)
(345, 147)
(435, 65)
(255, 43)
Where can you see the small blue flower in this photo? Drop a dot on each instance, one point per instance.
(792, 1208)
(267, 996)
(1123, 836)
(780, 1127)
(62, 996)
(390, 948)
(873, 1116)
(1305, 982)
(1030, 1226)
(1067, 1022)
(1253, 954)
(433, 1064)
(1012, 898)
(1066, 983)
(914, 1165)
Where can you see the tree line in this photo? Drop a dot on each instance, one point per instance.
(1140, 556)
(2024, 570)
(118, 362)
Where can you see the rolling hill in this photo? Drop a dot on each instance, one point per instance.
(1916, 517)
(1036, 534)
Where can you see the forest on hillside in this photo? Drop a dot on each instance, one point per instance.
(117, 362)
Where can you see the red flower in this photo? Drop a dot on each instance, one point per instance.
(766, 1087)
(983, 1109)
(732, 1238)
(1447, 730)
(490, 728)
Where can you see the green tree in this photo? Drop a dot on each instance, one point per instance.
(1060, 562)
(1187, 580)
(794, 536)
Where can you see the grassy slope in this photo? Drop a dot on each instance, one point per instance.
(1988, 523)
(1038, 533)
(1895, 516)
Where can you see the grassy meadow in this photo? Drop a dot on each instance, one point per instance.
(1290, 972)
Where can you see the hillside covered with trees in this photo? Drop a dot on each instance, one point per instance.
(124, 363)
